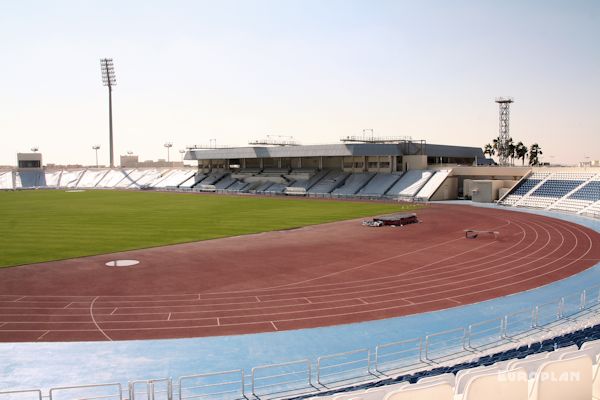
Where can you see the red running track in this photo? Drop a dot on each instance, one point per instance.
(316, 276)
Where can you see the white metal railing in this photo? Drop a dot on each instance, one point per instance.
(26, 394)
(87, 392)
(221, 385)
(286, 377)
(399, 356)
(485, 334)
(343, 367)
(568, 313)
(151, 389)
(441, 346)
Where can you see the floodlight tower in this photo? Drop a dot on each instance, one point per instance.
(168, 145)
(504, 133)
(109, 79)
(95, 148)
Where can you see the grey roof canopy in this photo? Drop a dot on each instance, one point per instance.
(329, 150)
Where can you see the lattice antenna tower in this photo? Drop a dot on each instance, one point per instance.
(109, 79)
(504, 131)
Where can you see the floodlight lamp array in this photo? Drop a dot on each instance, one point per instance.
(108, 72)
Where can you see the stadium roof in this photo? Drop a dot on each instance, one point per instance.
(333, 150)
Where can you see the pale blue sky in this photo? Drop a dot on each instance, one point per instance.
(190, 71)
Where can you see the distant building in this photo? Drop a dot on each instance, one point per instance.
(593, 163)
(132, 161)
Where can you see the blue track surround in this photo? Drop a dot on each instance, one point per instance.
(45, 365)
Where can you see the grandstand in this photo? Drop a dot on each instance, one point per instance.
(575, 192)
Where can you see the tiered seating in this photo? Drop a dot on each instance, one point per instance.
(550, 192)
(138, 175)
(582, 198)
(174, 178)
(52, 178)
(70, 179)
(329, 182)
(593, 210)
(109, 180)
(213, 177)
(91, 178)
(129, 180)
(225, 182)
(379, 185)
(529, 372)
(410, 183)
(309, 183)
(238, 186)
(150, 178)
(6, 180)
(524, 187)
(250, 171)
(275, 171)
(566, 191)
(275, 188)
(353, 184)
(191, 181)
(262, 186)
(432, 184)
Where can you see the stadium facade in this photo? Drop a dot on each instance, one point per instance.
(353, 157)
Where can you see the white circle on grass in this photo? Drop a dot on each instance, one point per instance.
(122, 263)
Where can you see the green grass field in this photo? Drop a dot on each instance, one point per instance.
(38, 226)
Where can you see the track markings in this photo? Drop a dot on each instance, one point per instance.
(94, 319)
(43, 334)
(540, 247)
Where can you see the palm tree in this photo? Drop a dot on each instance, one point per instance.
(521, 151)
(496, 142)
(534, 152)
(489, 149)
(511, 150)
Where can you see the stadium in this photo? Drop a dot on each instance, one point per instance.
(302, 257)
(284, 291)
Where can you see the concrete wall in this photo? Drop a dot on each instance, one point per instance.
(485, 191)
(447, 191)
(414, 162)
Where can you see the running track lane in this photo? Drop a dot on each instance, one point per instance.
(317, 276)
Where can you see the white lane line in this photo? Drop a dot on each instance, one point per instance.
(94, 319)
(169, 317)
(508, 222)
(543, 266)
(328, 308)
(274, 327)
(114, 311)
(573, 248)
(19, 299)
